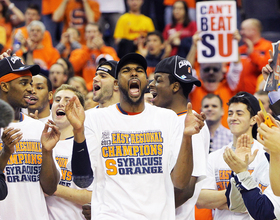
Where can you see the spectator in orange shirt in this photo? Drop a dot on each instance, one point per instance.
(55, 28)
(34, 52)
(32, 13)
(10, 17)
(84, 59)
(77, 13)
(215, 78)
(254, 54)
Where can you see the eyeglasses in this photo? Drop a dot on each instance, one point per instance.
(214, 69)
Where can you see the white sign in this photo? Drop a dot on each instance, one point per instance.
(217, 22)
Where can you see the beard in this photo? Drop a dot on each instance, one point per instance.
(124, 94)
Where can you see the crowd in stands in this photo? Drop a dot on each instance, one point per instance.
(80, 42)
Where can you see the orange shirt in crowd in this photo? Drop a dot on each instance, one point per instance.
(150, 70)
(84, 62)
(47, 39)
(49, 6)
(203, 214)
(74, 16)
(223, 91)
(252, 64)
(190, 3)
(44, 57)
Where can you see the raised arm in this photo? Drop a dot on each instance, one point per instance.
(80, 162)
(90, 16)
(182, 171)
(192, 53)
(59, 12)
(18, 13)
(270, 139)
(49, 175)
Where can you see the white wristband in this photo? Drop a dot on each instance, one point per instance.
(11, 6)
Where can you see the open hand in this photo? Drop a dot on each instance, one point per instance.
(193, 122)
(266, 70)
(50, 137)
(75, 113)
(10, 137)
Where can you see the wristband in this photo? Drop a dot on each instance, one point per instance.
(11, 6)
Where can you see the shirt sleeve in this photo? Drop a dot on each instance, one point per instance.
(258, 205)
(210, 182)
(233, 75)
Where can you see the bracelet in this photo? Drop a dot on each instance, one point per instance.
(11, 6)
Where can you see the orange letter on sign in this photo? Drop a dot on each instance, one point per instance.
(221, 45)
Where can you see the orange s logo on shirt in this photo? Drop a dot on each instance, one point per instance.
(77, 18)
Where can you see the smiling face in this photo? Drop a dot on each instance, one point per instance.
(239, 119)
(161, 90)
(58, 107)
(213, 109)
(39, 100)
(132, 83)
(103, 85)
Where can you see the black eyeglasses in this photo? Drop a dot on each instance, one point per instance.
(214, 69)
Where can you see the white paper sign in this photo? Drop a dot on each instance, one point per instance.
(217, 22)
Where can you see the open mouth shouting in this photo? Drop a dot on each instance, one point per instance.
(154, 93)
(134, 88)
(96, 88)
(60, 113)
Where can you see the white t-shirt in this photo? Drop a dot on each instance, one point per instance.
(135, 155)
(111, 6)
(219, 173)
(200, 143)
(25, 198)
(59, 208)
(45, 120)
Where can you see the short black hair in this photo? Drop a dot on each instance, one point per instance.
(34, 7)
(236, 99)
(252, 106)
(212, 95)
(49, 84)
(157, 33)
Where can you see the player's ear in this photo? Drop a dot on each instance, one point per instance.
(175, 87)
(5, 87)
(50, 95)
(253, 121)
(116, 85)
